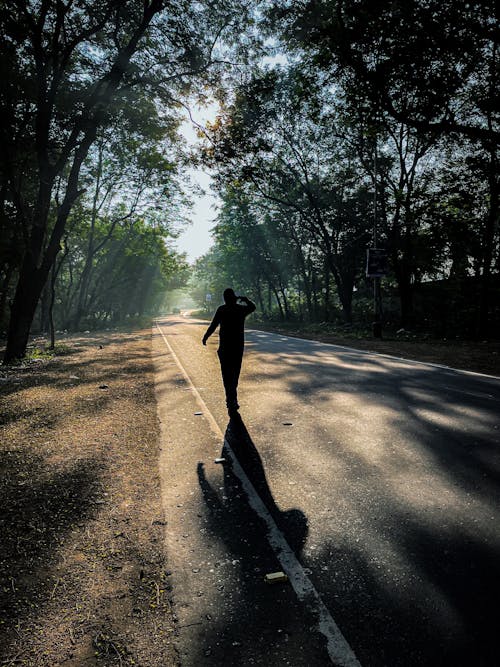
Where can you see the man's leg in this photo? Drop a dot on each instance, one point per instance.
(230, 364)
(235, 376)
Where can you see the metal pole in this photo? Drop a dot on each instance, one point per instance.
(377, 319)
(375, 194)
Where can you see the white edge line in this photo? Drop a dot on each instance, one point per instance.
(338, 648)
(376, 354)
(381, 354)
(206, 412)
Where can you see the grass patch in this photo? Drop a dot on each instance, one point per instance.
(39, 353)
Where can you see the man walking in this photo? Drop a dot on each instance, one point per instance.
(231, 318)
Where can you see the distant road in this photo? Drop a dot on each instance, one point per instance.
(383, 476)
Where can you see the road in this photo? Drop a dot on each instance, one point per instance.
(382, 477)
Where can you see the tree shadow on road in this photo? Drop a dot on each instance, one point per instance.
(433, 601)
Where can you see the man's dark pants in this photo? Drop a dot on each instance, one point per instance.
(230, 365)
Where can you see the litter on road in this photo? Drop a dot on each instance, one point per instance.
(275, 577)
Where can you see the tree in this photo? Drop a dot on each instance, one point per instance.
(431, 66)
(275, 140)
(127, 175)
(70, 69)
(135, 269)
(252, 254)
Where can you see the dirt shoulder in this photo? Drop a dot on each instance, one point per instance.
(480, 357)
(84, 578)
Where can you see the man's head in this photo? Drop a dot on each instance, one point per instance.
(229, 296)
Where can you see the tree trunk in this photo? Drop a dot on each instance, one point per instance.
(405, 291)
(82, 294)
(32, 277)
(300, 312)
(327, 293)
(402, 270)
(44, 309)
(29, 288)
(278, 300)
(4, 290)
(53, 277)
(52, 328)
(260, 299)
(314, 303)
(307, 290)
(345, 296)
(285, 302)
(89, 257)
(344, 289)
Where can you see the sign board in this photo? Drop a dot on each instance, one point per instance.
(208, 297)
(376, 263)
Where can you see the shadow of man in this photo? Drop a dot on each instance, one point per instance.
(256, 623)
(292, 522)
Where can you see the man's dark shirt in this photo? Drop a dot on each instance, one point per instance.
(231, 319)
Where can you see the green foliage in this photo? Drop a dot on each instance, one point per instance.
(129, 279)
(75, 74)
(428, 64)
(38, 353)
(393, 102)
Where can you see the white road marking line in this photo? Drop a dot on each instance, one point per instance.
(338, 648)
(471, 393)
(206, 412)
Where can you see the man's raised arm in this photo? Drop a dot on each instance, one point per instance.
(250, 306)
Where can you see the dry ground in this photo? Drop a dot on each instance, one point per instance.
(84, 578)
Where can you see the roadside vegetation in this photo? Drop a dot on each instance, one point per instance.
(343, 126)
(93, 94)
(378, 128)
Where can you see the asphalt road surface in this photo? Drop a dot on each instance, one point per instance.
(376, 486)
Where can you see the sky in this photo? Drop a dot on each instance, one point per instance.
(196, 239)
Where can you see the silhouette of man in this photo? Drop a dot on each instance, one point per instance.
(231, 318)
